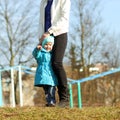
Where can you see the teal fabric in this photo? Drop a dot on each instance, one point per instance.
(44, 72)
(48, 39)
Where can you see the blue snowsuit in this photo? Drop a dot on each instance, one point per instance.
(45, 76)
(44, 73)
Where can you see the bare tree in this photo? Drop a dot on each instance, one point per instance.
(87, 32)
(17, 31)
(87, 39)
(18, 34)
(111, 52)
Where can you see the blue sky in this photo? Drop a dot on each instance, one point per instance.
(111, 15)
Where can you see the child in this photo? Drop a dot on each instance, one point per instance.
(45, 76)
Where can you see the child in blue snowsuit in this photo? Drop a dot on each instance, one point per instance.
(45, 76)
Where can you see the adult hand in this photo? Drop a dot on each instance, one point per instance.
(46, 34)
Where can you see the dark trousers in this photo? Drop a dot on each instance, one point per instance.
(49, 94)
(58, 51)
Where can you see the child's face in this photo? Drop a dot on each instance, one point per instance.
(48, 46)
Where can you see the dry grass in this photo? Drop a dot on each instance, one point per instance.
(46, 113)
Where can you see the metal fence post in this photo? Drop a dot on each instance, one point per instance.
(79, 95)
(71, 96)
(13, 90)
(1, 101)
(20, 87)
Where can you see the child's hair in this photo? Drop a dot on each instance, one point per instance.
(48, 39)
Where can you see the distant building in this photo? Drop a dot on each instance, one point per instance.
(97, 68)
(102, 67)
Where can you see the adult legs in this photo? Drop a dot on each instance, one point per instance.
(57, 63)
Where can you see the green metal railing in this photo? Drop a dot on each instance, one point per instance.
(11, 69)
(78, 93)
(78, 82)
(70, 83)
